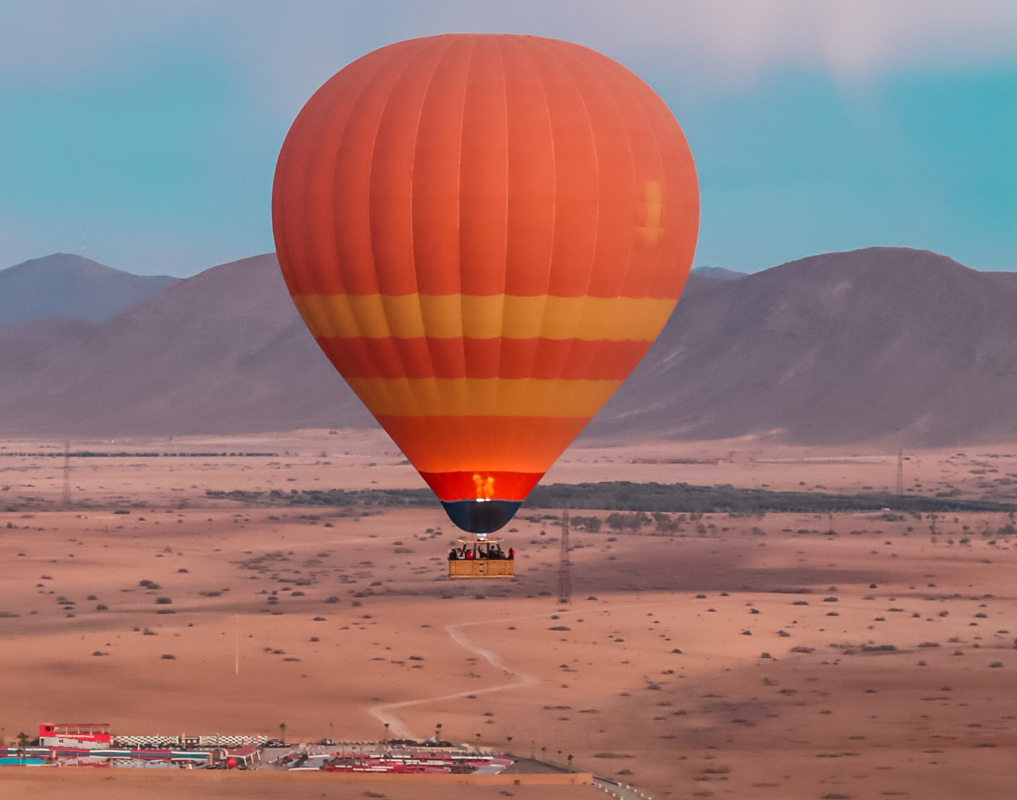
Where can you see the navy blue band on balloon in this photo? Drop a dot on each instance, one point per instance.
(481, 516)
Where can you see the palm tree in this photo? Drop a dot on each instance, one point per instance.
(437, 731)
(386, 731)
(282, 732)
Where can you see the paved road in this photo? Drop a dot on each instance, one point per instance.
(619, 790)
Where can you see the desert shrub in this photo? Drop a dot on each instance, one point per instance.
(163, 601)
(665, 524)
(632, 522)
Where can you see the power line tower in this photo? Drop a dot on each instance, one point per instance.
(564, 567)
(67, 475)
(900, 473)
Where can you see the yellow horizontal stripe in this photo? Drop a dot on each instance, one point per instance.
(411, 316)
(482, 397)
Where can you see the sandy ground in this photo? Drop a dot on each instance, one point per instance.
(755, 689)
(315, 459)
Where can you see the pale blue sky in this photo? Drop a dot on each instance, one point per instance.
(147, 133)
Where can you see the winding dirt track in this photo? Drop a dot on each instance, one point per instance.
(521, 680)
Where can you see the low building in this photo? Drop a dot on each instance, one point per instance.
(82, 735)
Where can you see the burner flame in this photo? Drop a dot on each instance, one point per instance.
(485, 487)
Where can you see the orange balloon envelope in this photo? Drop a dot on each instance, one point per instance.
(485, 233)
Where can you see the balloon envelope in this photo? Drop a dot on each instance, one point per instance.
(485, 233)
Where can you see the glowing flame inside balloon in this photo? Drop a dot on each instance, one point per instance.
(485, 488)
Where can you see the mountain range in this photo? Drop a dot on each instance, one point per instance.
(71, 287)
(882, 344)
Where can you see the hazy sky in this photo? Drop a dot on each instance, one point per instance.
(146, 133)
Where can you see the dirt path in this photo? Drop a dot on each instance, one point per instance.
(520, 680)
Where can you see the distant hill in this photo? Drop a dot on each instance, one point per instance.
(222, 352)
(883, 344)
(720, 273)
(71, 287)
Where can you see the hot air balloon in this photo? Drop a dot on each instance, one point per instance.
(485, 233)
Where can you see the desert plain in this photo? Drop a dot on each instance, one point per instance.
(849, 655)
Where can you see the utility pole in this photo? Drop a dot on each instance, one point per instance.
(900, 473)
(564, 567)
(67, 475)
